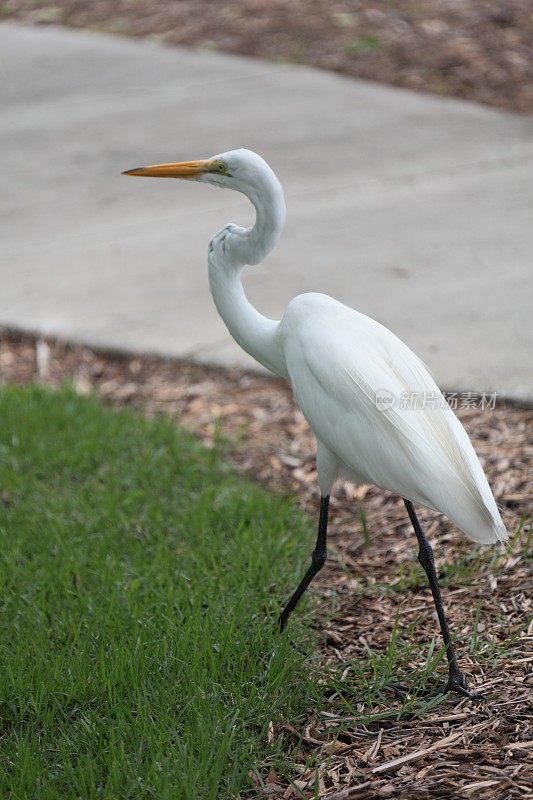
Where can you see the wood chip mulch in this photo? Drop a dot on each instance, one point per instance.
(362, 744)
(477, 49)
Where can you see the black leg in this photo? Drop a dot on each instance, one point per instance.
(318, 559)
(456, 679)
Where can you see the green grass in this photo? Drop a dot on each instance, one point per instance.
(140, 582)
(365, 44)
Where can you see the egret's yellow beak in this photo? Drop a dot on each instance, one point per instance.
(181, 169)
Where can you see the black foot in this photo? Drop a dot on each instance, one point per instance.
(457, 683)
(400, 690)
(282, 622)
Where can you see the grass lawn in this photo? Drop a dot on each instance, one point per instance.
(141, 580)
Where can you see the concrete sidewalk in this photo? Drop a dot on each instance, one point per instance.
(413, 209)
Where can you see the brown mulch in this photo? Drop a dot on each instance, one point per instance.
(477, 49)
(360, 747)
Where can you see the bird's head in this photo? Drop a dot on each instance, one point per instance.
(242, 170)
(246, 172)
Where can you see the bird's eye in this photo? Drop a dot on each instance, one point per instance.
(221, 167)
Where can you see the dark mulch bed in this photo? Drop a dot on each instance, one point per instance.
(477, 49)
(365, 744)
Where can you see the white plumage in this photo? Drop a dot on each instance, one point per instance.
(338, 362)
(422, 453)
(341, 364)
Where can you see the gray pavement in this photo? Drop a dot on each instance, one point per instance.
(414, 209)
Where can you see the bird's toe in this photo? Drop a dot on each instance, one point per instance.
(458, 683)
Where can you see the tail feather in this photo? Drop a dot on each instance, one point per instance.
(480, 522)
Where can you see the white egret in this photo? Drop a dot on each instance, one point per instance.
(343, 368)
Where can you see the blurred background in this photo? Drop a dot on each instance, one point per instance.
(413, 206)
(478, 49)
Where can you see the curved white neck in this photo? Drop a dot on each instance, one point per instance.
(230, 250)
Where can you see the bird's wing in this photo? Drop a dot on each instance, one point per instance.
(341, 364)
